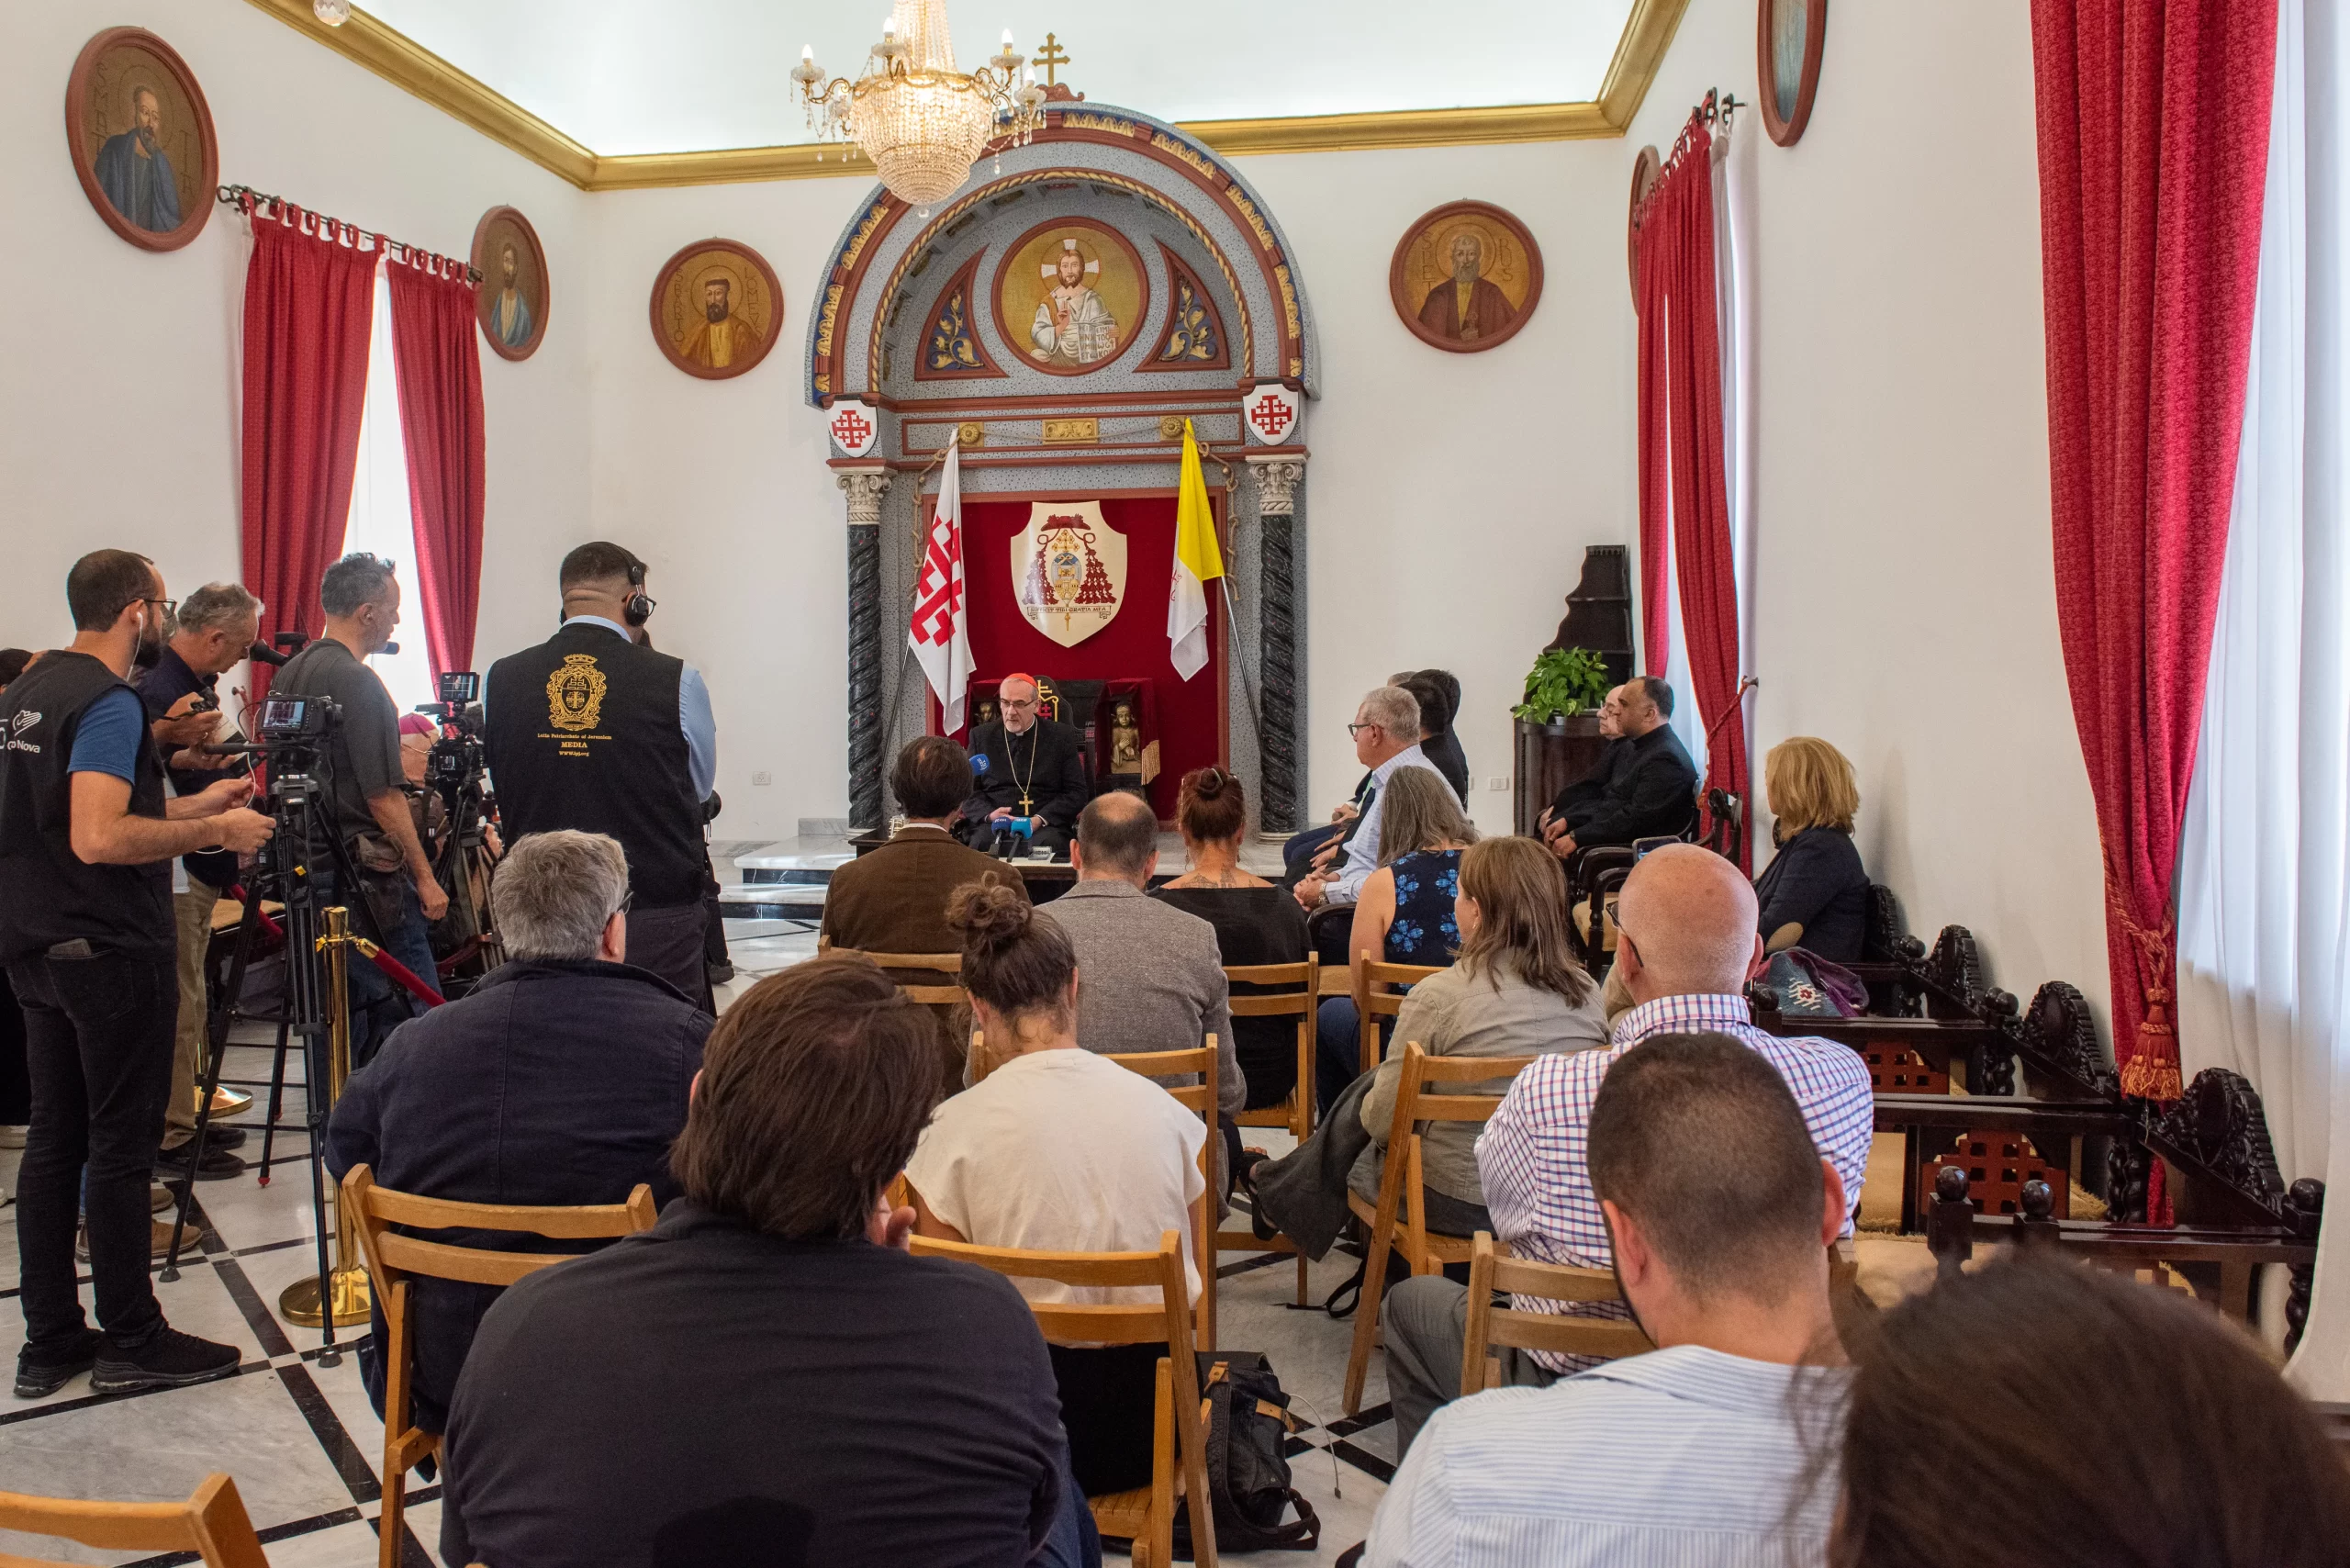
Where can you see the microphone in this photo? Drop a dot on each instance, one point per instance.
(265, 654)
(390, 648)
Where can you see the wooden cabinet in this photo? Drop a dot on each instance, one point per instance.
(1550, 758)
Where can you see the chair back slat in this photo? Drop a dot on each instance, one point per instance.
(212, 1522)
(472, 1265)
(1299, 996)
(931, 994)
(1368, 982)
(1164, 1064)
(591, 1220)
(1491, 1268)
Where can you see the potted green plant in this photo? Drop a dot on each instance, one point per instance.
(1564, 682)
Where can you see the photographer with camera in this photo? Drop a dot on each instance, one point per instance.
(216, 624)
(86, 837)
(594, 731)
(362, 599)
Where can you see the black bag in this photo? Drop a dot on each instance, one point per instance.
(1248, 1489)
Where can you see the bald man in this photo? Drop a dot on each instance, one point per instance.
(1687, 945)
(1025, 765)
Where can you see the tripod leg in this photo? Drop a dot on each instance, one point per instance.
(276, 1094)
(216, 1033)
(328, 1355)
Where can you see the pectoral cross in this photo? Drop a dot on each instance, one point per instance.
(1051, 57)
(1024, 809)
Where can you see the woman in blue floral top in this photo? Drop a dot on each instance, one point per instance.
(1405, 915)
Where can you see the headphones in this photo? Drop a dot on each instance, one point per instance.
(640, 606)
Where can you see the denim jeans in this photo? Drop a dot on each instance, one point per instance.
(1074, 1542)
(1337, 1058)
(98, 1035)
(378, 1005)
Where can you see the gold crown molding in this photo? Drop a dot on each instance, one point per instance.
(391, 55)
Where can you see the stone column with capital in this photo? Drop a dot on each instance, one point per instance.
(1278, 479)
(864, 488)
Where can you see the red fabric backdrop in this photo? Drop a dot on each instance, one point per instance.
(1680, 384)
(309, 303)
(438, 360)
(1190, 714)
(2154, 146)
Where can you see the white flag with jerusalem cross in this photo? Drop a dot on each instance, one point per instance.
(1197, 560)
(940, 633)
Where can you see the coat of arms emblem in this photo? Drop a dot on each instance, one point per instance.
(575, 693)
(1069, 570)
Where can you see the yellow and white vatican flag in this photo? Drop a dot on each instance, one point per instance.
(1197, 560)
(940, 633)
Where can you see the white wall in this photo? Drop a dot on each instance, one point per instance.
(1905, 595)
(119, 391)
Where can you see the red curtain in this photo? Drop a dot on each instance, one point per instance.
(2153, 147)
(439, 366)
(1681, 387)
(309, 307)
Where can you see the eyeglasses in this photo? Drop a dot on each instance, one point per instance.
(1359, 726)
(171, 606)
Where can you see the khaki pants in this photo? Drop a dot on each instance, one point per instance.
(192, 914)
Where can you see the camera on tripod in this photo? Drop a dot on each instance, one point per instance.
(454, 765)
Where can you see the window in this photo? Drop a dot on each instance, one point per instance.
(380, 520)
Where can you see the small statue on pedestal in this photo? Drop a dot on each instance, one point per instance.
(1125, 740)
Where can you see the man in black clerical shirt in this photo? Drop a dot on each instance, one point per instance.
(1645, 785)
(594, 729)
(1025, 765)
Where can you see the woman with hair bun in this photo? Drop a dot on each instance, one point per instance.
(1256, 921)
(1057, 1149)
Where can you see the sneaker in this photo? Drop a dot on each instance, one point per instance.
(217, 1165)
(39, 1380)
(13, 1136)
(169, 1359)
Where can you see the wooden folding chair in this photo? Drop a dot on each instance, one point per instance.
(1199, 1097)
(1398, 1220)
(895, 964)
(393, 1258)
(212, 1523)
(1491, 1268)
(1373, 1001)
(1296, 1112)
(1145, 1516)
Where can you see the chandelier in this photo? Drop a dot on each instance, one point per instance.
(923, 122)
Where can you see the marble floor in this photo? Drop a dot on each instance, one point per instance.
(294, 1427)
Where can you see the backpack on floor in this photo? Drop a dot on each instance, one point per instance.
(1249, 1425)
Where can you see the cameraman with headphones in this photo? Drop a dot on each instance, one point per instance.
(591, 729)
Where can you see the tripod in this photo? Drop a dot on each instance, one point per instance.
(316, 1010)
(464, 856)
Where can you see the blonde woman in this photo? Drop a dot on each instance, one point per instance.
(1814, 893)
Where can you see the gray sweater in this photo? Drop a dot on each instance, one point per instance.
(1454, 1013)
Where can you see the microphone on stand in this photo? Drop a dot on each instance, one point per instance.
(267, 655)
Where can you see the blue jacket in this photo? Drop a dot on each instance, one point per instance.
(551, 1082)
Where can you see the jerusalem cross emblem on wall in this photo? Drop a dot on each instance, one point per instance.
(853, 427)
(1270, 410)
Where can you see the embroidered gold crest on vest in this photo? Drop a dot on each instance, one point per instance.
(575, 693)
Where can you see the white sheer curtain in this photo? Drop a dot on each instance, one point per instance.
(2263, 873)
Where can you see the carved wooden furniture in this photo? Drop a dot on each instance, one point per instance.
(1491, 1268)
(1397, 1220)
(394, 1257)
(1178, 1433)
(1199, 1097)
(212, 1524)
(1548, 757)
(1296, 1112)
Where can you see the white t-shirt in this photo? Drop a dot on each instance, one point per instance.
(1064, 1151)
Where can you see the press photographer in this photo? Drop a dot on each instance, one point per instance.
(360, 597)
(216, 626)
(590, 729)
(86, 838)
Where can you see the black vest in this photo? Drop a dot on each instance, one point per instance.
(584, 733)
(48, 894)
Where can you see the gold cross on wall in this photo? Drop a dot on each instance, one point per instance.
(1051, 57)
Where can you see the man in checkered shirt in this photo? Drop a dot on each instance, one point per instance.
(1687, 944)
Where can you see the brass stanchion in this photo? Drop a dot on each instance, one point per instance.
(298, 1303)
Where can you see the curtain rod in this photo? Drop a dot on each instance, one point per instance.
(247, 200)
(1718, 110)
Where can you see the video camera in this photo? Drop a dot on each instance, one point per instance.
(454, 765)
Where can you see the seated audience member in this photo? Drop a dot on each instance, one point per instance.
(1153, 980)
(1386, 734)
(2040, 1414)
(893, 897)
(766, 1376)
(1814, 893)
(1438, 691)
(1059, 1151)
(1686, 945)
(1517, 990)
(560, 1079)
(1644, 787)
(1722, 1212)
(1255, 921)
(1405, 915)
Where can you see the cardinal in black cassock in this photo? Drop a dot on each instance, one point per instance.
(1025, 766)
